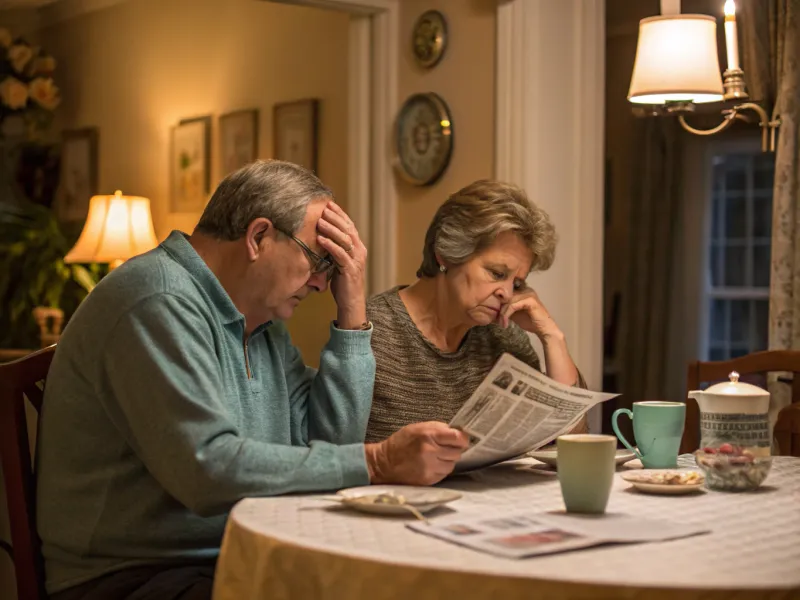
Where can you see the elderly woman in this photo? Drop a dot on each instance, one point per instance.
(435, 340)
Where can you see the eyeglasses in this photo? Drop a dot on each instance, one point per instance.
(319, 264)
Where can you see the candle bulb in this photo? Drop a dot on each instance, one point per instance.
(731, 41)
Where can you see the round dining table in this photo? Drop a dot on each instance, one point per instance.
(302, 546)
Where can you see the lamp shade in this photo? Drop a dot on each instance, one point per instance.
(676, 60)
(117, 228)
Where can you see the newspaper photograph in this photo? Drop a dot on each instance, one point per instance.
(516, 410)
(520, 535)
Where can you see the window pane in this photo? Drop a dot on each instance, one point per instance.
(717, 354)
(734, 265)
(717, 319)
(761, 325)
(735, 179)
(713, 265)
(764, 170)
(763, 180)
(737, 351)
(762, 217)
(761, 266)
(740, 321)
(718, 175)
(716, 215)
(735, 217)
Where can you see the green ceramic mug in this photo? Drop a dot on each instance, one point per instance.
(658, 428)
(586, 465)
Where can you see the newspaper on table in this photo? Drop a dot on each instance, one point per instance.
(515, 410)
(524, 534)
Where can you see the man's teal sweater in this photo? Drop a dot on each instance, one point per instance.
(158, 417)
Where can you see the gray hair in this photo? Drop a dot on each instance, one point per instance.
(272, 189)
(470, 220)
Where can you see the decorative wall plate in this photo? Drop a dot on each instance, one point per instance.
(429, 38)
(424, 138)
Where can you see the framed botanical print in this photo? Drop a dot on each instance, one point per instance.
(238, 140)
(78, 173)
(295, 132)
(190, 158)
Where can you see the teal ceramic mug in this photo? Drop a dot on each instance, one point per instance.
(658, 428)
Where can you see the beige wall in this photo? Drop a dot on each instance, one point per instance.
(135, 69)
(465, 79)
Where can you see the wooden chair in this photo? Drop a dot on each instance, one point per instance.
(787, 427)
(18, 380)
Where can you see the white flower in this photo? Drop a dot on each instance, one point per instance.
(44, 65)
(5, 38)
(44, 92)
(19, 55)
(13, 93)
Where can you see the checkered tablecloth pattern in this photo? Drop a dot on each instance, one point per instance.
(301, 546)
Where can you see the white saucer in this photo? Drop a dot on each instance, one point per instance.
(639, 480)
(422, 498)
(550, 457)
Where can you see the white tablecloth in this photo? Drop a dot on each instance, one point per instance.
(302, 547)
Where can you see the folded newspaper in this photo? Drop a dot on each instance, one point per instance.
(524, 534)
(515, 410)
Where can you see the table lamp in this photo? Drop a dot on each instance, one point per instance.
(117, 228)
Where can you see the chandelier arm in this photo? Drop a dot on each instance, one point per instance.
(764, 123)
(721, 127)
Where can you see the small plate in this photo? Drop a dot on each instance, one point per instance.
(644, 482)
(422, 498)
(550, 457)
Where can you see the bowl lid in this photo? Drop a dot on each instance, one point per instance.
(734, 387)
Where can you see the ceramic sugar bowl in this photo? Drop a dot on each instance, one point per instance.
(734, 435)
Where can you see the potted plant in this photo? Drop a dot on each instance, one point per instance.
(32, 244)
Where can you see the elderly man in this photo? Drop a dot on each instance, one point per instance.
(176, 391)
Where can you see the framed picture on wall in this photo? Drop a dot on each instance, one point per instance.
(189, 164)
(238, 140)
(78, 173)
(295, 132)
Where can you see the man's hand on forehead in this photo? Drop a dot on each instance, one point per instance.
(339, 237)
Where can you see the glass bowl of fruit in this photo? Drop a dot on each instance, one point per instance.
(733, 468)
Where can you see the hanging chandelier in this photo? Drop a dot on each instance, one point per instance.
(677, 68)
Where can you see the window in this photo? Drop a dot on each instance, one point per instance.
(738, 269)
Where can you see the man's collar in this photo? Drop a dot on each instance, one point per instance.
(178, 247)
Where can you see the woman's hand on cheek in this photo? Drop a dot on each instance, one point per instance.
(527, 311)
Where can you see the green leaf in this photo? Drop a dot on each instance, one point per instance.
(82, 276)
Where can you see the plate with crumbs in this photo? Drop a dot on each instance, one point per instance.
(665, 481)
(395, 499)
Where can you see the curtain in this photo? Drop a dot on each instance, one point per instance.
(771, 60)
(651, 269)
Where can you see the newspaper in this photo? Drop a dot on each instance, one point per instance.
(515, 410)
(524, 534)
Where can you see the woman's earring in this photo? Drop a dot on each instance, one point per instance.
(443, 269)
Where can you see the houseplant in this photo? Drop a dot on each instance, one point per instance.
(32, 244)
